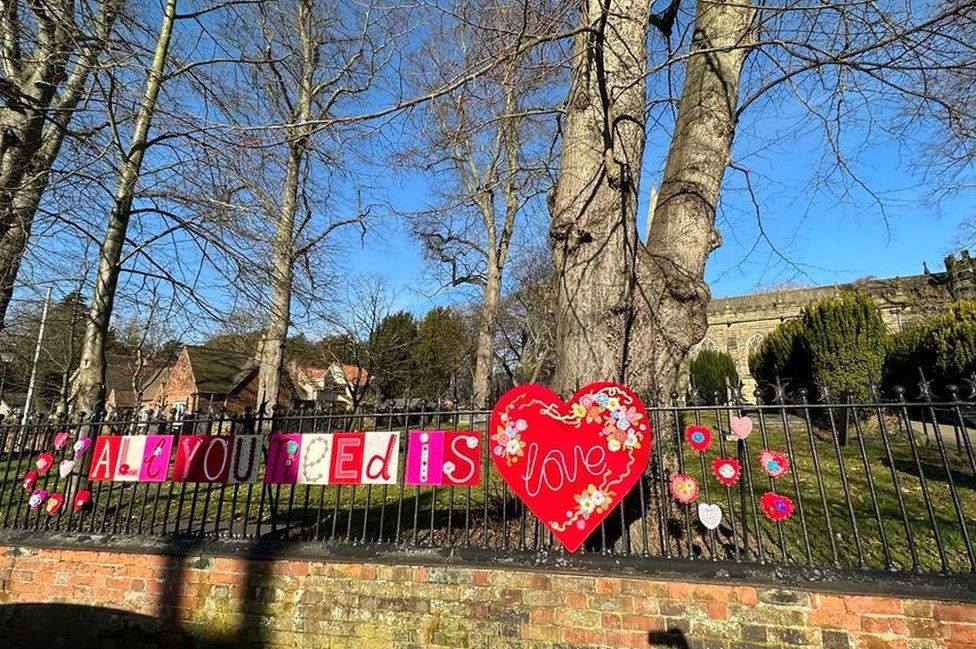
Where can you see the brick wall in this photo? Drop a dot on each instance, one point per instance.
(220, 601)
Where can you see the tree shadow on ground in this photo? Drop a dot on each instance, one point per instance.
(934, 470)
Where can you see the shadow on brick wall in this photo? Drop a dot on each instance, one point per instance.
(667, 639)
(78, 626)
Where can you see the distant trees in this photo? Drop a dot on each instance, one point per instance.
(838, 344)
(943, 347)
(394, 340)
(712, 373)
(441, 355)
(782, 355)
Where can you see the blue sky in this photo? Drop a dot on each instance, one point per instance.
(824, 239)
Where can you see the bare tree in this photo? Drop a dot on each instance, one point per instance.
(278, 193)
(47, 64)
(88, 383)
(489, 144)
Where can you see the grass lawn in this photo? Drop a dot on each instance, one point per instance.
(913, 503)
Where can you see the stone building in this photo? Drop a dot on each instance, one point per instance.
(737, 325)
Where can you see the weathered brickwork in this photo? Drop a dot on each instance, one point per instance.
(241, 602)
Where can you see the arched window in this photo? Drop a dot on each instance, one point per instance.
(754, 342)
(707, 343)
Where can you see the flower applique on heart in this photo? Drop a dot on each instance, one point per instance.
(699, 438)
(54, 503)
(774, 463)
(30, 479)
(37, 499)
(726, 470)
(684, 488)
(81, 499)
(776, 507)
(44, 463)
(81, 446)
(61, 439)
(741, 427)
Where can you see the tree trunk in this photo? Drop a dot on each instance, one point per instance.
(30, 152)
(671, 300)
(487, 319)
(282, 275)
(88, 385)
(593, 205)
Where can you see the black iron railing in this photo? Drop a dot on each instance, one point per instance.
(888, 484)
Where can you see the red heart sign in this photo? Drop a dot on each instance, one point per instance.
(570, 463)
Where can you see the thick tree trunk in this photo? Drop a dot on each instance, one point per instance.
(671, 297)
(593, 206)
(88, 384)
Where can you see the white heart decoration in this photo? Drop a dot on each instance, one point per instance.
(66, 467)
(741, 426)
(710, 515)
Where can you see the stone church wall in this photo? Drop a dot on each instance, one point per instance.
(737, 325)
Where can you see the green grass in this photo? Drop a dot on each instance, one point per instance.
(825, 505)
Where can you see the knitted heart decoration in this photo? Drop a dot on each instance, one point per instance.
(699, 438)
(776, 507)
(66, 467)
(44, 462)
(726, 470)
(571, 462)
(684, 488)
(36, 499)
(54, 503)
(710, 515)
(30, 479)
(774, 463)
(741, 426)
(81, 446)
(81, 499)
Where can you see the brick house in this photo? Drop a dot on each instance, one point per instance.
(343, 385)
(120, 395)
(203, 379)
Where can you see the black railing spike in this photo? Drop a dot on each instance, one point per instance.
(734, 391)
(779, 391)
(874, 391)
(924, 387)
(953, 391)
